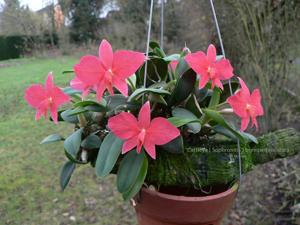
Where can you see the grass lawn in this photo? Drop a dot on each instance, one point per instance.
(29, 184)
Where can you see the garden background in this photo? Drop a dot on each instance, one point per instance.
(261, 37)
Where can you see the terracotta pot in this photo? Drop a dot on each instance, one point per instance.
(155, 208)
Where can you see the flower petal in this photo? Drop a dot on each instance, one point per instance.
(224, 69)
(144, 116)
(211, 53)
(203, 80)
(160, 132)
(198, 62)
(124, 125)
(49, 84)
(129, 144)
(217, 82)
(150, 149)
(106, 54)
(126, 63)
(89, 70)
(35, 94)
(53, 113)
(42, 109)
(59, 97)
(244, 89)
(121, 85)
(238, 104)
(255, 100)
(245, 122)
(100, 88)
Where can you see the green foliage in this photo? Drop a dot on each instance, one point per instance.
(52, 138)
(138, 183)
(129, 170)
(11, 47)
(108, 155)
(66, 174)
(84, 16)
(72, 145)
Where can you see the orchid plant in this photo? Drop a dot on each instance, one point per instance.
(126, 117)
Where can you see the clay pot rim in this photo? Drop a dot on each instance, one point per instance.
(183, 198)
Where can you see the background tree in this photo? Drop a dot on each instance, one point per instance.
(84, 16)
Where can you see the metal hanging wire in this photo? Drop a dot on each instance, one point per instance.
(162, 2)
(148, 42)
(230, 87)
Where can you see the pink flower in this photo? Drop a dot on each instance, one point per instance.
(108, 70)
(79, 85)
(209, 68)
(174, 64)
(142, 131)
(44, 98)
(246, 105)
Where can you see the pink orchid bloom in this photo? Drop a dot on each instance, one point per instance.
(209, 68)
(174, 64)
(44, 98)
(80, 86)
(110, 69)
(142, 131)
(246, 105)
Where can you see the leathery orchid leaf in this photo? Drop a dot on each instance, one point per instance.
(52, 138)
(138, 92)
(185, 114)
(66, 173)
(184, 87)
(129, 170)
(72, 144)
(109, 152)
(219, 119)
(138, 183)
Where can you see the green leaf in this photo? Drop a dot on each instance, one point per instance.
(138, 92)
(157, 70)
(109, 152)
(186, 114)
(129, 170)
(157, 98)
(159, 52)
(72, 144)
(132, 80)
(68, 71)
(91, 106)
(70, 91)
(69, 118)
(249, 137)
(119, 102)
(138, 183)
(91, 142)
(219, 119)
(52, 138)
(154, 44)
(184, 87)
(181, 68)
(222, 130)
(215, 98)
(175, 146)
(173, 57)
(66, 173)
(77, 111)
(179, 122)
